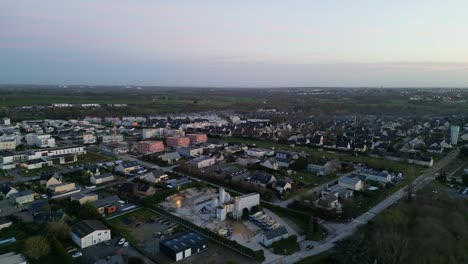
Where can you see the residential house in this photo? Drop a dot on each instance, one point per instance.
(6, 190)
(273, 235)
(155, 176)
(143, 189)
(382, 177)
(203, 162)
(177, 183)
(22, 197)
(109, 202)
(62, 187)
(351, 183)
(259, 152)
(262, 178)
(127, 167)
(316, 140)
(102, 178)
(83, 198)
(328, 201)
(170, 157)
(89, 232)
(270, 163)
(283, 185)
(190, 152)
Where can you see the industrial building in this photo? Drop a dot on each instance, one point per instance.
(226, 204)
(183, 245)
(89, 232)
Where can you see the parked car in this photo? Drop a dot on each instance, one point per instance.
(77, 255)
(125, 244)
(309, 247)
(121, 242)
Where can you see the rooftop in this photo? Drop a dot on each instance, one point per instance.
(184, 241)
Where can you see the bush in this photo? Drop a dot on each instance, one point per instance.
(36, 247)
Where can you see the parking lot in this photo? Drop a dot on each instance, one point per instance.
(102, 251)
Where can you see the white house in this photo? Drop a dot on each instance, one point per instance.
(44, 141)
(274, 235)
(190, 152)
(89, 232)
(383, 177)
(351, 183)
(270, 163)
(102, 178)
(259, 152)
(203, 162)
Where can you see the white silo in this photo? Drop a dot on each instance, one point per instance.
(215, 202)
(222, 195)
(454, 131)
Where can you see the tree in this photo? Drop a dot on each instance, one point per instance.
(89, 211)
(353, 250)
(465, 179)
(300, 164)
(310, 228)
(36, 247)
(59, 229)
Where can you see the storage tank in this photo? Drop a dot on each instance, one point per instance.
(222, 195)
(215, 202)
(228, 198)
(454, 131)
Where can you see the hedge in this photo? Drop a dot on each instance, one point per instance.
(60, 252)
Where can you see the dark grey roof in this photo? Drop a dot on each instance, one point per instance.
(129, 164)
(102, 176)
(22, 193)
(262, 177)
(350, 180)
(86, 227)
(274, 233)
(158, 173)
(184, 241)
(4, 220)
(105, 201)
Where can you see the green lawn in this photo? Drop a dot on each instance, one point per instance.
(91, 157)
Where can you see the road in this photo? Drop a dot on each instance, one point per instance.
(340, 231)
(310, 191)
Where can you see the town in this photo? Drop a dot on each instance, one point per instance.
(221, 186)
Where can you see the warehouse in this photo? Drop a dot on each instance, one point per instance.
(89, 232)
(183, 245)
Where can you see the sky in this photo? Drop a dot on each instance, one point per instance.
(243, 43)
